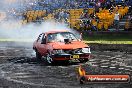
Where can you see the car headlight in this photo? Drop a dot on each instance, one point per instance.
(86, 50)
(57, 51)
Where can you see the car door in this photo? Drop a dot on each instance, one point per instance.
(42, 49)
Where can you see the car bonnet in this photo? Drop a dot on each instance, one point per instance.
(72, 45)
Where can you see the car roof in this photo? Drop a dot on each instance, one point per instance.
(55, 31)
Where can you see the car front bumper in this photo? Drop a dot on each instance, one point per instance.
(71, 56)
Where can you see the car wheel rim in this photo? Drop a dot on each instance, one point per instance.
(49, 59)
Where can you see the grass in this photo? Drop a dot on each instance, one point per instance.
(108, 39)
(109, 42)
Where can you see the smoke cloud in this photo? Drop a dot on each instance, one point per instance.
(9, 30)
(13, 30)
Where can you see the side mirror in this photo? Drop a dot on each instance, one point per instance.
(43, 41)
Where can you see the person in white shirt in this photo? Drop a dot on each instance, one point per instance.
(116, 20)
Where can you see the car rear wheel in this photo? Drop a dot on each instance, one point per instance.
(38, 55)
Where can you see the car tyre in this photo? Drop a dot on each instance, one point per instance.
(49, 58)
(66, 62)
(83, 60)
(38, 55)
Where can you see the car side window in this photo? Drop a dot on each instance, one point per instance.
(40, 37)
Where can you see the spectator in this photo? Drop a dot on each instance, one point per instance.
(130, 18)
(111, 9)
(108, 5)
(56, 15)
(94, 24)
(85, 18)
(116, 20)
(61, 14)
(97, 6)
(103, 4)
(66, 16)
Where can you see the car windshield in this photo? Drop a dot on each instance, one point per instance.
(60, 36)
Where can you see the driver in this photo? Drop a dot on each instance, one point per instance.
(50, 38)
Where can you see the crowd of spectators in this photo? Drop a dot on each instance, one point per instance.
(61, 16)
(51, 6)
(15, 8)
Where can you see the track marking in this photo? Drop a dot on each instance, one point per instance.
(91, 60)
(129, 66)
(108, 56)
(103, 55)
(113, 64)
(127, 69)
(62, 67)
(104, 66)
(26, 83)
(94, 65)
(22, 73)
(10, 56)
(104, 60)
(21, 77)
(105, 63)
(112, 67)
(121, 68)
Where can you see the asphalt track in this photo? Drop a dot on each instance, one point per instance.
(20, 69)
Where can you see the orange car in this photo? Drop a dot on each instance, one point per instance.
(61, 46)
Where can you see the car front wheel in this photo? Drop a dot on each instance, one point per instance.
(49, 58)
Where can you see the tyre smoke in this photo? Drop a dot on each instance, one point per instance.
(13, 30)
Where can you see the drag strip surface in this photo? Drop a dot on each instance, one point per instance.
(20, 69)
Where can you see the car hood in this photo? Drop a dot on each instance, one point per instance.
(72, 45)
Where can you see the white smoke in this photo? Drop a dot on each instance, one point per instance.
(13, 30)
(30, 31)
